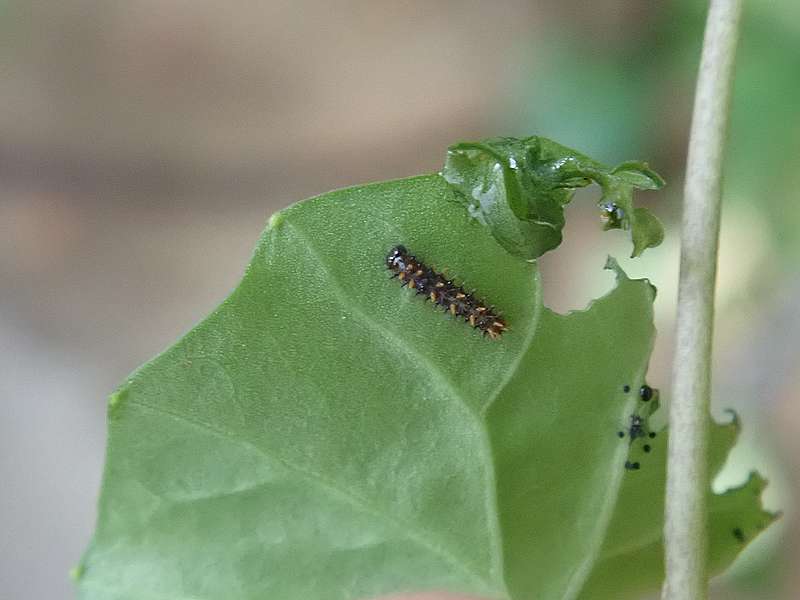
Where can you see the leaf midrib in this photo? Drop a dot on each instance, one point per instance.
(490, 500)
(415, 359)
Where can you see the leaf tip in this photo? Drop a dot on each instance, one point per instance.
(276, 220)
(639, 174)
(76, 572)
(734, 422)
(756, 484)
(613, 265)
(646, 231)
(116, 399)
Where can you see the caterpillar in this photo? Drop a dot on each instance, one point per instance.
(444, 292)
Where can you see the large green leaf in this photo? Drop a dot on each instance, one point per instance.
(326, 434)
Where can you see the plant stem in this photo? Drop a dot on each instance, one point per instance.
(685, 531)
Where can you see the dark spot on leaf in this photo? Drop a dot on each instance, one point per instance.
(646, 393)
(632, 466)
(651, 435)
(621, 434)
(647, 448)
(636, 430)
(739, 535)
(626, 388)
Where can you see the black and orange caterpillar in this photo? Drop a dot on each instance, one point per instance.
(443, 292)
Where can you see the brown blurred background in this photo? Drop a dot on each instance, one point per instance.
(144, 143)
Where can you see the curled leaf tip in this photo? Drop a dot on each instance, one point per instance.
(734, 419)
(518, 187)
(639, 174)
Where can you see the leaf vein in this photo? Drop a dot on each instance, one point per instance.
(313, 477)
(416, 358)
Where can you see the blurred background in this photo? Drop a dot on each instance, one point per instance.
(144, 144)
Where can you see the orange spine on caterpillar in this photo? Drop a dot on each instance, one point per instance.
(443, 292)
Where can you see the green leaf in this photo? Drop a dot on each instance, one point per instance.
(518, 189)
(327, 434)
(648, 231)
(639, 175)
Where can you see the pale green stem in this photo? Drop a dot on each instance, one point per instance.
(685, 531)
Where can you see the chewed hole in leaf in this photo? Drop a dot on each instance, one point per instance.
(570, 283)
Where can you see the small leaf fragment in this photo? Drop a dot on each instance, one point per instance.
(646, 231)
